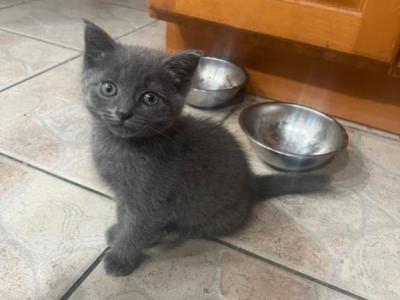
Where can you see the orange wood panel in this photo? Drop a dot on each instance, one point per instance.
(371, 30)
(314, 24)
(380, 30)
(349, 87)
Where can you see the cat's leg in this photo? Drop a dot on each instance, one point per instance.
(133, 237)
(111, 233)
(113, 230)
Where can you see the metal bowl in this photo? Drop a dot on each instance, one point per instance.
(292, 137)
(215, 82)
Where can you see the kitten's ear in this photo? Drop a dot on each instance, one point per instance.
(181, 67)
(97, 43)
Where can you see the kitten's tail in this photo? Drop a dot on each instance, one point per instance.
(281, 184)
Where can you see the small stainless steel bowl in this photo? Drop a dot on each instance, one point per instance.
(292, 137)
(215, 82)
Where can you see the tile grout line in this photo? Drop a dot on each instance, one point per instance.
(40, 73)
(49, 42)
(134, 30)
(230, 113)
(125, 6)
(40, 40)
(84, 275)
(32, 166)
(16, 4)
(287, 269)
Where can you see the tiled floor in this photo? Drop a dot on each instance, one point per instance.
(54, 209)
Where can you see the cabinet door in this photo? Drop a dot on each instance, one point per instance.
(364, 27)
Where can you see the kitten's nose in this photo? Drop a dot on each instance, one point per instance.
(123, 115)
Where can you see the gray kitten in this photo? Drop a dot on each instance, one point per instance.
(169, 173)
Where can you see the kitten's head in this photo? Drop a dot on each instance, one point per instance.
(134, 91)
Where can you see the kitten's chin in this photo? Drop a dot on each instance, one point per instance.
(123, 132)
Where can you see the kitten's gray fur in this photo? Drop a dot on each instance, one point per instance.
(168, 172)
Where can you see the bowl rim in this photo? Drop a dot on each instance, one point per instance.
(253, 139)
(246, 76)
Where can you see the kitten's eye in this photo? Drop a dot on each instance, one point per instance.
(150, 99)
(108, 89)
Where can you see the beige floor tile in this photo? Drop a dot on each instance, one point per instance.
(49, 232)
(7, 3)
(44, 123)
(50, 127)
(60, 21)
(21, 57)
(202, 270)
(137, 4)
(152, 36)
(348, 237)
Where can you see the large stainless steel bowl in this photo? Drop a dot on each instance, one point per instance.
(215, 82)
(292, 137)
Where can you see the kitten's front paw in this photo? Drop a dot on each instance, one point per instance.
(116, 266)
(111, 233)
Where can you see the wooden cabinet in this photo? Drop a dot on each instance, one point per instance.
(335, 55)
(362, 27)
